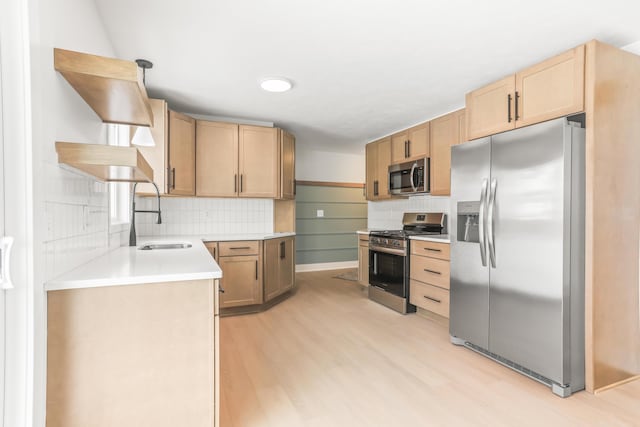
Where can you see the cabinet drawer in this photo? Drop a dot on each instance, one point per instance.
(429, 297)
(430, 270)
(363, 239)
(430, 249)
(250, 247)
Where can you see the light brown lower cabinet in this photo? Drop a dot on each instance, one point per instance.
(430, 276)
(135, 355)
(363, 259)
(279, 266)
(241, 273)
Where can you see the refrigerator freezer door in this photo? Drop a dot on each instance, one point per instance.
(469, 294)
(529, 213)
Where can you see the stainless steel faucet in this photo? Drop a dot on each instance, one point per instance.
(132, 231)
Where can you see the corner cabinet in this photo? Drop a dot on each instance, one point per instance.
(378, 158)
(279, 266)
(550, 89)
(287, 165)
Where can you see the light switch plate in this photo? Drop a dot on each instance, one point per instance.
(320, 213)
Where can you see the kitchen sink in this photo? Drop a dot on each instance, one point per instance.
(154, 246)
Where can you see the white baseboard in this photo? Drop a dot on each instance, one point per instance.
(300, 268)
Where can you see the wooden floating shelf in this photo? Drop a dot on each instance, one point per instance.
(105, 162)
(113, 88)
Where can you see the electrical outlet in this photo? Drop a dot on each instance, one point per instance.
(319, 213)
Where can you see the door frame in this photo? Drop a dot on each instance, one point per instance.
(16, 131)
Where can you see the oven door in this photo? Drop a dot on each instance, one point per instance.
(387, 271)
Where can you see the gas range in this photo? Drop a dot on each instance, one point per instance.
(389, 260)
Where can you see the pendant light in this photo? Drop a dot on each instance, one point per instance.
(142, 137)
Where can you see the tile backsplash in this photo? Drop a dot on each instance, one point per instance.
(387, 214)
(76, 211)
(200, 216)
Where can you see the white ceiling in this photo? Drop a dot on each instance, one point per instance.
(361, 68)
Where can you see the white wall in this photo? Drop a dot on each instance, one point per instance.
(202, 217)
(318, 165)
(70, 210)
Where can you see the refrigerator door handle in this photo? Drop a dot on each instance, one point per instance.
(481, 222)
(490, 231)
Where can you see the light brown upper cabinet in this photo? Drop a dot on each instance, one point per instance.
(410, 144)
(288, 165)
(553, 88)
(550, 89)
(462, 126)
(216, 159)
(158, 155)
(173, 156)
(182, 154)
(244, 161)
(489, 109)
(445, 132)
(378, 158)
(258, 161)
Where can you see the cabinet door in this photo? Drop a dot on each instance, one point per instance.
(286, 264)
(462, 126)
(444, 134)
(418, 141)
(271, 268)
(259, 162)
(241, 281)
(490, 109)
(384, 160)
(216, 159)
(182, 154)
(363, 264)
(288, 156)
(399, 145)
(157, 156)
(371, 154)
(551, 89)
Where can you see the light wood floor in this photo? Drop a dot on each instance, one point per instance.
(330, 357)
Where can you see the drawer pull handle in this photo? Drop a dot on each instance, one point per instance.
(432, 299)
(432, 271)
(241, 247)
(433, 250)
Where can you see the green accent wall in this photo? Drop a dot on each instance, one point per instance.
(331, 238)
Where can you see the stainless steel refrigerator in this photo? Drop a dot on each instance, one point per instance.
(517, 250)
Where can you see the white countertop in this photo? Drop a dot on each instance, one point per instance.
(130, 266)
(239, 237)
(367, 231)
(438, 238)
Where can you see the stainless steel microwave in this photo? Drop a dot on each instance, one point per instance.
(410, 177)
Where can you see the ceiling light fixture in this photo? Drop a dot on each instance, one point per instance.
(142, 137)
(276, 84)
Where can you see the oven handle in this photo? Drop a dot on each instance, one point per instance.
(399, 252)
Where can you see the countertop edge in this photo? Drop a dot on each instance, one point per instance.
(137, 280)
(430, 239)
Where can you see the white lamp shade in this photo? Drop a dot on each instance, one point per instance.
(143, 137)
